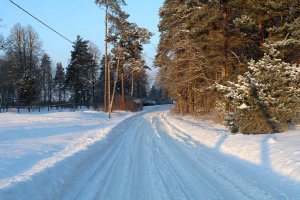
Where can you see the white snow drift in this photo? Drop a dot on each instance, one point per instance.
(146, 155)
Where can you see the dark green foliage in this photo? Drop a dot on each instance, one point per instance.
(80, 72)
(28, 88)
(156, 94)
(1, 42)
(46, 78)
(59, 82)
(230, 122)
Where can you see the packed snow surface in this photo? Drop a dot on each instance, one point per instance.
(146, 155)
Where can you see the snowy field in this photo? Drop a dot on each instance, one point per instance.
(147, 155)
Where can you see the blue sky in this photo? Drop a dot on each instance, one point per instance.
(76, 17)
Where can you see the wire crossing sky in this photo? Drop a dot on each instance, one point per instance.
(69, 18)
(41, 22)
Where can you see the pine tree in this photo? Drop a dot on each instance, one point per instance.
(267, 97)
(94, 73)
(155, 94)
(79, 74)
(46, 78)
(173, 41)
(286, 39)
(206, 41)
(59, 82)
(112, 8)
(191, 51)
(28, 88)
(254, 22)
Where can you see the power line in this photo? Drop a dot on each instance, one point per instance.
(41, 22)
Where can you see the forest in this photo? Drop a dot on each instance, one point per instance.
(238, 59)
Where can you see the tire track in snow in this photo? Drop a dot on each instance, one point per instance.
(189, 175)
(145, 157)
(89, 179)
(224, 174)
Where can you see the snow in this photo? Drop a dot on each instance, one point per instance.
(30, 143)
(145, 155)
(243, 106)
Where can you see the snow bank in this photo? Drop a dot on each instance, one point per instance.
(32, 143)
(83, 155)
(277, 152)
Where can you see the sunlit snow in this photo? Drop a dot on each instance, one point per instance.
(145, 155)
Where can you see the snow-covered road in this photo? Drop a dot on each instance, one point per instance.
(150, 155)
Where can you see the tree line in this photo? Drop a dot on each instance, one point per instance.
(220, 56)
(28, 77)
(127, 40)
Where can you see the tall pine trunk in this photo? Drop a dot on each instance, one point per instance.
(123, 92)
(106, 61)
(225, 16)
(132, 85)
(115, 82)
(260, 27)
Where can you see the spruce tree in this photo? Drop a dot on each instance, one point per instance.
(79, 73)
(46, 78)
(28, 88)
(59, 82)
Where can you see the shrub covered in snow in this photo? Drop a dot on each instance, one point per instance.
(266, 98)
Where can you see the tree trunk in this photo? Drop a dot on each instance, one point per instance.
(225, 15)
(123, 92)
(178, 100)
(190, 91)
(132, 85)
(107, 67)
(115, 83)
(180, 105)
(260, 27)
(106, 60)
(50, 91)
(108, 91)
(190, 99)
(44, 88)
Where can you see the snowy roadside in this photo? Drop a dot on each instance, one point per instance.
(146, 155)
(278, 153)
(31, 143)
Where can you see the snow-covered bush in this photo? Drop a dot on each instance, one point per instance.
(230, 122)
(266, 98)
